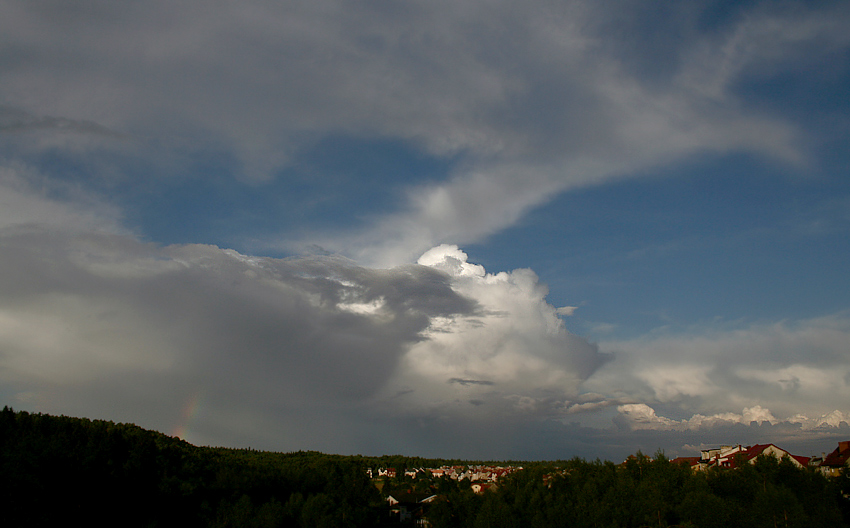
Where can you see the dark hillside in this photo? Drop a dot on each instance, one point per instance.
(60, 471)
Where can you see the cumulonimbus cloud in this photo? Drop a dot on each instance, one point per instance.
(102, 324)
(78, 311)
(512, 355)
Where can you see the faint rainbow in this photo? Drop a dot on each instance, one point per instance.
(190, 410)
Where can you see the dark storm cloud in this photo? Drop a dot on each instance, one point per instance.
(314, 351)
(83, 312)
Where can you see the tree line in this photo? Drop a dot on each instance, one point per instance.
(651, 492)
(56, 469)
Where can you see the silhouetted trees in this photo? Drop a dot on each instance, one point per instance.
(646, 492)
(61, 470)
(57, 470)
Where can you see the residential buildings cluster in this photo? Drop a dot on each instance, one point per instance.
(730, 456)
(413, 507)
(831, 464)
(480, 474)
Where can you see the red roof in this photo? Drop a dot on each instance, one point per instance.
(750, 453)
(756, 450)
(692, 461)
(838, 458)
(804, 461)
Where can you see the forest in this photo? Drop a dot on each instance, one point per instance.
(56, 470)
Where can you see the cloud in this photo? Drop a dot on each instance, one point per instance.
(520, 102)
(28, 197)
(629, 125)
(642, 416)
(712, 377)
(16, 121)
(84, 314)
(513, 355)
(470, 382)
(530, 100)
(649, 431)
(321, 353)
(759, 42)
(102, 325)
(567, 311)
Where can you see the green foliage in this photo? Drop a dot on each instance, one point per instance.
(57, 470)
(646, 492)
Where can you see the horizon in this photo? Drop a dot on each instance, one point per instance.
(660, 450)
(503, 231)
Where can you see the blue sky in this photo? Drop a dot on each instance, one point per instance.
(727, 238)
(582, 228)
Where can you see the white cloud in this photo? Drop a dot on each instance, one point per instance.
(640, 416)
(513, 354)
(832, 419)
(801, 435)
(567, 311)
(788, 372)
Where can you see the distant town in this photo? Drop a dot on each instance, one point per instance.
(414, 490)
(480, 477)
(484, 477)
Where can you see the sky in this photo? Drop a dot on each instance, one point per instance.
(482, 229)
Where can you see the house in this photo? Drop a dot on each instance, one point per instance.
(387, 472)
(716, 457)
(752, 453)
(835, 461)
(731, 456)
(692, 462)
(408, 506)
